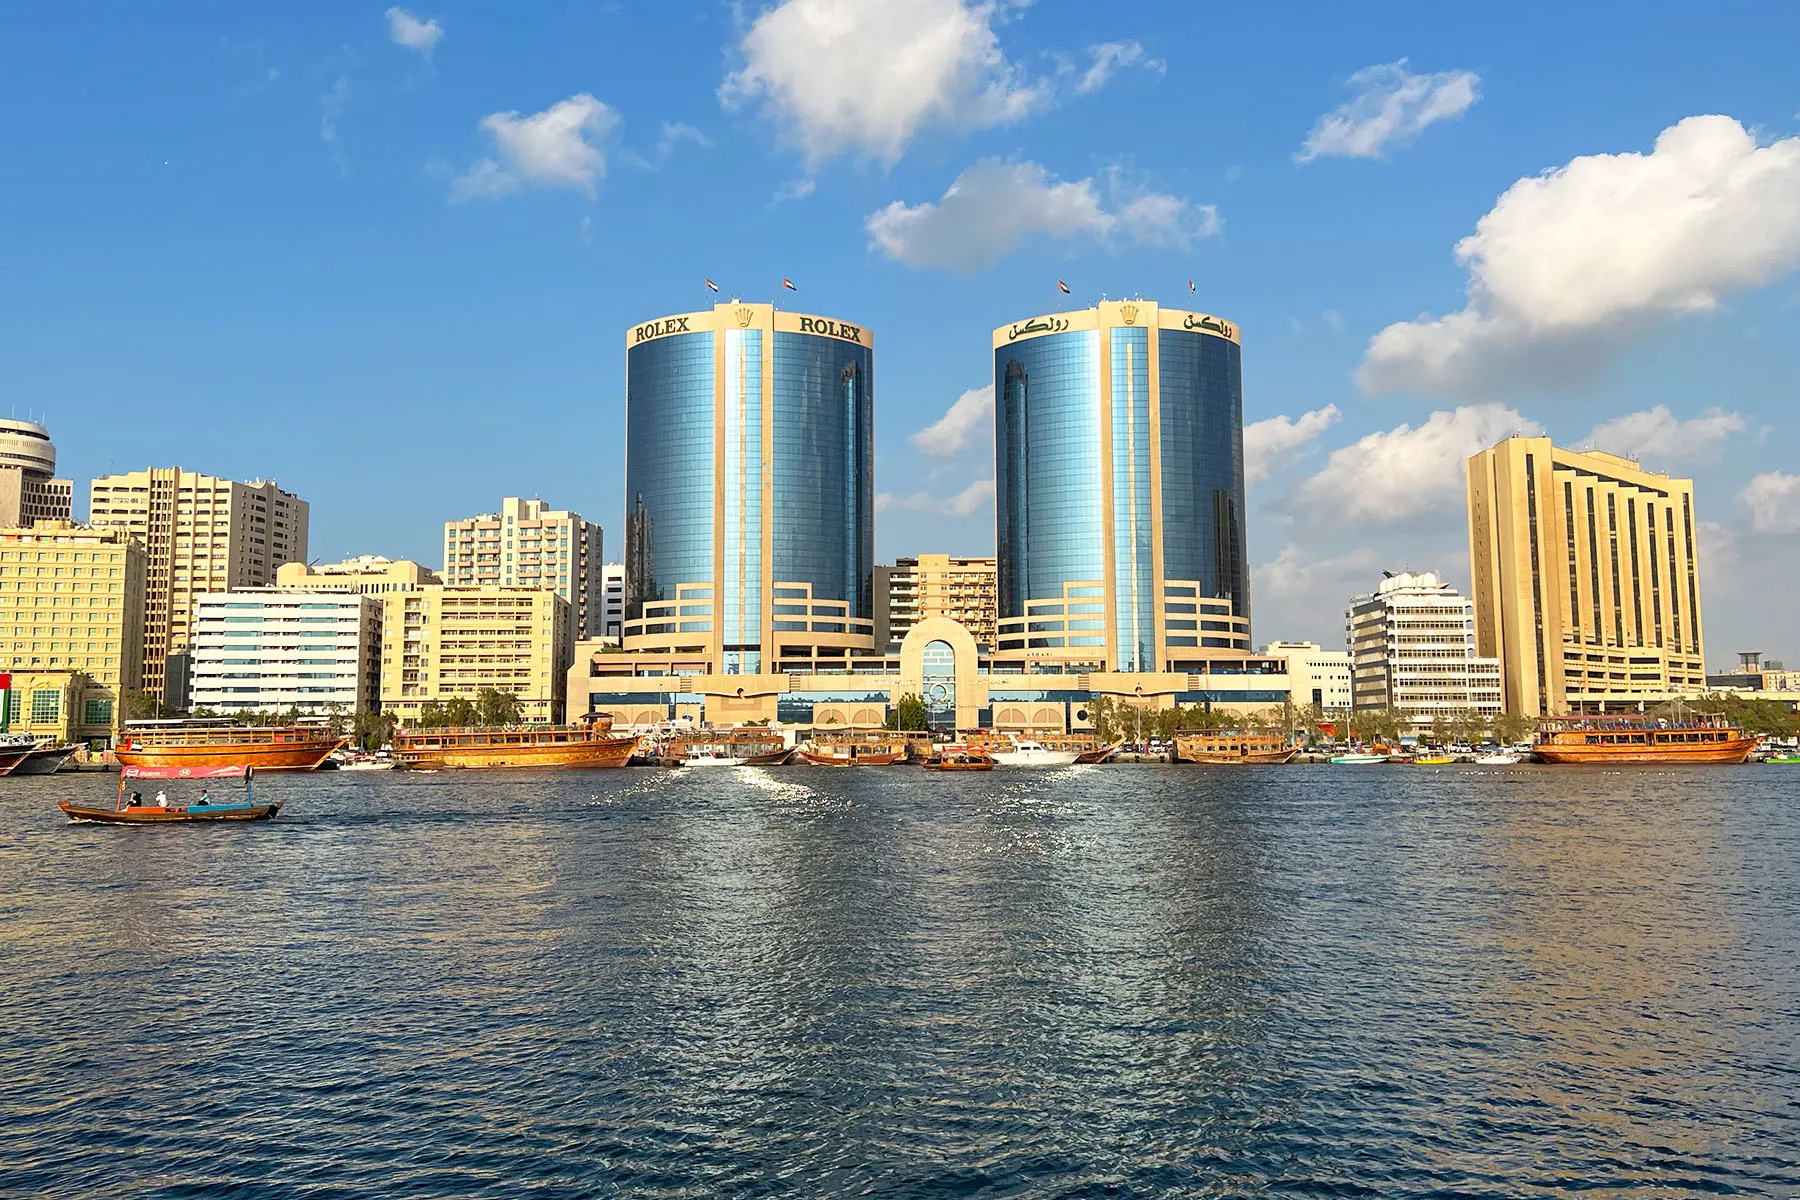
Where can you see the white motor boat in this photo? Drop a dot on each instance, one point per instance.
(1503, 759)
(367, 764)
(1032, 754)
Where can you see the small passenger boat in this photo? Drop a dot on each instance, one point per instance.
(1233, 747)
(959, 758)
(1358, 760)
(1502, 759)
(134, 811)
(1433, 760)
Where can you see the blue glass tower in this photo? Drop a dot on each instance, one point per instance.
(749, 479)
(1119, 474)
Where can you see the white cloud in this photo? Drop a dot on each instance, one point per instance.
(1402, 472)
(863, 76)
(1774, 502)
(1301, 595)
(1392, 107)
(965, 503)
(1267, 442)
(1655, 433)
(795, 189)
(1109, 57)
(994, 207)
(1572, 265)
(674, 133)
(563, 146)
(331, 110)
(405, 29)
(951, 433)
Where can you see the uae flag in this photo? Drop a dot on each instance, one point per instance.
(1062, 287)
(789, 285)
(710, 284)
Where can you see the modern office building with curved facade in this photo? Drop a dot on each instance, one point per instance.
(1119, 474)
(749, 480)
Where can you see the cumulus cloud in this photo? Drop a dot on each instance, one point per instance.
(563, 146)
(1655, 433)
(951, 433)
(1392, 107)
(859, 76)
(1394, 474)
(965, 503)
(1109, 57)
(1774, 502)
(405, 29)
(994, 207)
(331, 111)
(1571, 266)
(1267, 443)
(674, 133)
(1302, 594)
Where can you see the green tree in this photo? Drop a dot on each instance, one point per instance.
(141, 706)
(909, 715)
(1511, 727)
(494, 707)
(459, 711)
(1440, 729)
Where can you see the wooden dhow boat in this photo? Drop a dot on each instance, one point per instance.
(1640, 740)
(203, 744)
(856, 748)
(1233, 747)
(584, 746)
(134, 810)
(750, 746)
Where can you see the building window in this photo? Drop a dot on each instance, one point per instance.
(45, 706)
(97, 712)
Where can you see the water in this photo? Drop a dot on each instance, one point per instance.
(1115, 981)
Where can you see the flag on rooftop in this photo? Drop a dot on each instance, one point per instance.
(1062, 287)
(712, 285)
(789, 285)
(1190, 285)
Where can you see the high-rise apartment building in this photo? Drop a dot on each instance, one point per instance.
(749, 488)
(612, 603)
(935, 585)
(1316, 676)
(200, 534)
(29, 490)
(71, 626)
(452, 642)
(1412, 647)
(279, 648)
(1119, 475)
(1586, 578)
(527, 544)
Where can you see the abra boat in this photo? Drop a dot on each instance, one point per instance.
(191, 745)
(588, 745)
(1433, 760)
(1640, 740)
(1214, 747)
(134, 811)
(960, 758)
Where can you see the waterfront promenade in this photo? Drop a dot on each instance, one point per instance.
(1125, 981)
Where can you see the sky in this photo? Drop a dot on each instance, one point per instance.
(387, 256)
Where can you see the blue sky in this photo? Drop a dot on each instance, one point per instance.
(387, 256)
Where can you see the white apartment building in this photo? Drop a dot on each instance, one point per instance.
(1315, 675)
(264, 648)
(529, 545)
(1411, 645)
(612, 605)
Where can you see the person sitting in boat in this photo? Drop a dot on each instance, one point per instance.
(162, 799)
(205, 797)
(137, 800)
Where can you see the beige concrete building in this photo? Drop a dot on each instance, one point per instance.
(29, 491)
(965, 590)
(200, 534)
(71, 625)
(1412, 647)
(527, 544)
(257, 649)
(450, 642)
(1586, 578)
(1315, 675)
(370, 574)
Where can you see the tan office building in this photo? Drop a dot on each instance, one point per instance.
(1586, 578)
(369, 574)
(200, 534)
(966, 590)
(29, 491)
(71, 626)
(451, 642)
(528, 544)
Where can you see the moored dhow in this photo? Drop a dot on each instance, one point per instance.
(1214, 747)
(186, 744)
(588, 745)
(1640, 740)
(855, 748)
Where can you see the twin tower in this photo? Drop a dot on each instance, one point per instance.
(1119, 490)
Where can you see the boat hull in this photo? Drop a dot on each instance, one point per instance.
(601, 754)
(10, 760)
(817, 759)
(47, 761)
(958, 766)
(168, 816)
(1090, 757)
(1736, 750)
(1360, 760)
(265, 757)
(1035, 758)
(1222, 758)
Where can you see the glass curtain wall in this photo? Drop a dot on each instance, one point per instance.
(1134, 584)
(669, 468)
(743, 584)
(824, 468)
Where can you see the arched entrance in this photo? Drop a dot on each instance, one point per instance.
(939, 677)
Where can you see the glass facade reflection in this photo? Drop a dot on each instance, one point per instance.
(749, 455)
(1119, 476)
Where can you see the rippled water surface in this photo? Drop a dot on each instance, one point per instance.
(1117, 981)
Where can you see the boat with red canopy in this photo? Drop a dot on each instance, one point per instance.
(134, 810)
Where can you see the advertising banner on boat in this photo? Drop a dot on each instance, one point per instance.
(236, 771)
